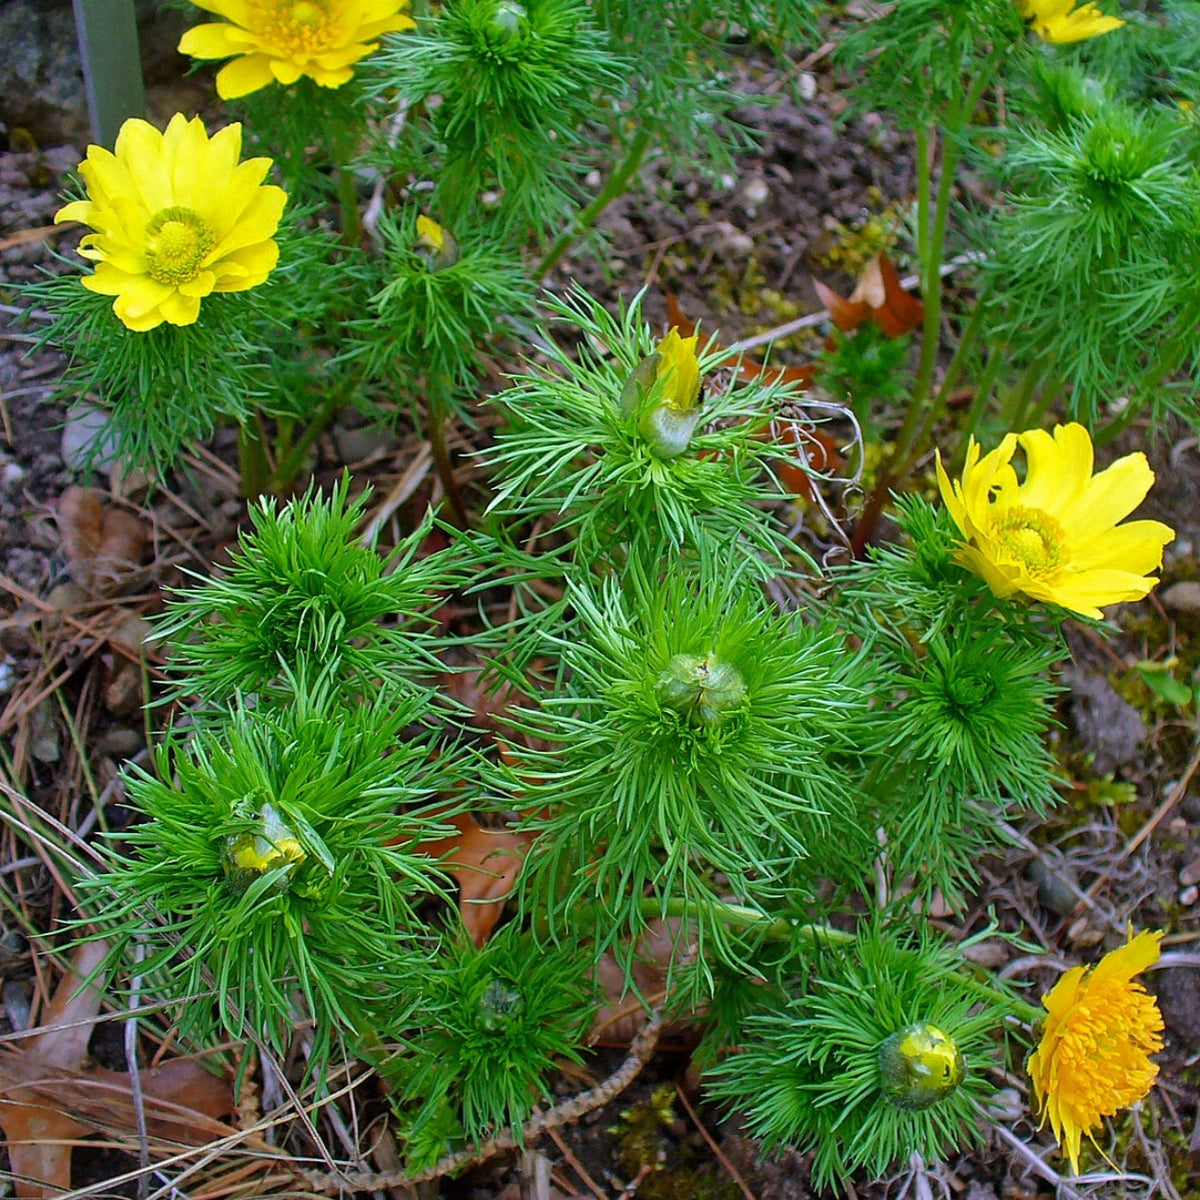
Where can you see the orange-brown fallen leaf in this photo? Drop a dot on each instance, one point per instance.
(485, 864)
(877, 296)
(53, 1095)
(103, 545)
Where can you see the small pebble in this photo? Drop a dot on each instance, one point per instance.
(806, 85)
(1084, 935)
(1189, 896)
(990, 954)
(1190, 874)
(1182, 597)
(754, 192)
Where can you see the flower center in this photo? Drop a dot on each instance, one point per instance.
(1030, 537)
(295, 26)
(177, 242)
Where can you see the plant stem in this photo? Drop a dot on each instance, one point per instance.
(348, 203)
(983, 392)
(737, 916)
(252, 459)
(438, 411)
(1169, 359)
(613, 187)
(289, 467)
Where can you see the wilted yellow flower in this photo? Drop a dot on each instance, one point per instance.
(176, 216)
(1059, 21)
(1055, 536)
(436, 243)
(277, 41)
(1094, 1056)
(679, 370)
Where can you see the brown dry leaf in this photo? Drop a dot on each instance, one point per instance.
(893, 309)
(813, 447)
(485, 863)
(53, 1096)
(623, 1015)
(103, 545)
(847, 315)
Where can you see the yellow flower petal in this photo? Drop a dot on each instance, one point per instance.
(243, 76)
(1113, 494)
(217, 40)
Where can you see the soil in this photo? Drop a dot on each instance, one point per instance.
(739, 252)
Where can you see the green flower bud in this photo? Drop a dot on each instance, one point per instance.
(253, 853)
(510, 18)
(641, 380)
(500, 1003)
(920, 1066)
(703, 687)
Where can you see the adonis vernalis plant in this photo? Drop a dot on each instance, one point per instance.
(701, 736)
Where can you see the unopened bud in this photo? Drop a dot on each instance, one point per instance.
(509, 18)
(499, 1004)
(435, 244)
(920, 1066)
(253, 853)
(671, 375)
(703, 687)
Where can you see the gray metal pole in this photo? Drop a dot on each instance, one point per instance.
(112, 66)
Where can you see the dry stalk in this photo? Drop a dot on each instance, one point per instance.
(640, 1050)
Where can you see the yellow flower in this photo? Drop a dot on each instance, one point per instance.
(176, 216)
(277, 41)
(1094, 1056)
(1059, 21)
(679, 369)
(1055, 536)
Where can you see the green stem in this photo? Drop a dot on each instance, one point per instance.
(348, 203)
(614, 186)
(737, 916)
(252, 459)
(290, 465)
(1017, 403)
(983, 392)
(941, 399)
(438, 419)
(1169, 359)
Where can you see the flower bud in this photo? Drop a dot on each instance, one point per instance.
(672, 373)
(253, 853)
(435, 244)
(509, 18)
(703, 687)
(920, 1066)
(499, 1004)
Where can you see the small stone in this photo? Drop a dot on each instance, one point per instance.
(754, 192)
(45, 744)
(1190, 874)
(731, 242)
(120, 742)
(1057, 888)
(134, 633)
(1189, 896)
(1083, 935)
(1182, 597)
(806, 85)
(88, 440)
(123, 695)
(992, 954)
